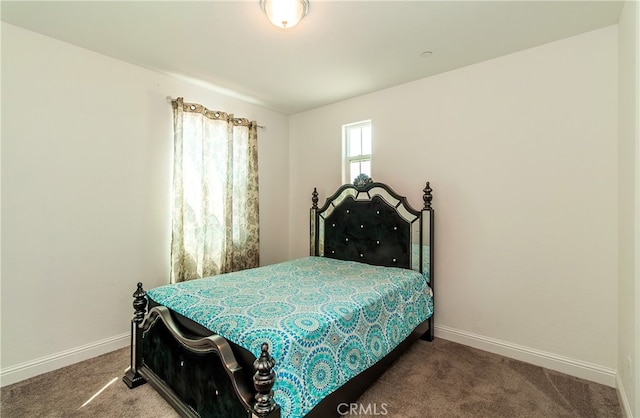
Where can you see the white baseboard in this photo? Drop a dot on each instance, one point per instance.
(622, 397)
(46, 364)
(577, 368)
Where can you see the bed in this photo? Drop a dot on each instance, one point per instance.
(305, 337)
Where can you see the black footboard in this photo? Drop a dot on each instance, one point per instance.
(199, 377)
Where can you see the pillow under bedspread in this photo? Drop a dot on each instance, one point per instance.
(325, 320)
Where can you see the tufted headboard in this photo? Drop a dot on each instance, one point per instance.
(370, 223)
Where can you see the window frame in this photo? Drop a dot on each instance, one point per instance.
(346, 142)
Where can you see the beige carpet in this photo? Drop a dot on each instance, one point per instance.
(438, 379)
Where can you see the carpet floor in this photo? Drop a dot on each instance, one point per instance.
(437, 379)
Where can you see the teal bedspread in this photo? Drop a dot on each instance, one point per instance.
(325, 320)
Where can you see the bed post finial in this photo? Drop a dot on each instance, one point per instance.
(139, 304)
(314, 199)
(427, 197)
(263, 380)
(131, 376)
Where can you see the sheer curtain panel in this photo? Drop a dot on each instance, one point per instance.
(215, 190)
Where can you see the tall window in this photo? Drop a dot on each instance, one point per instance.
(215, 193)
(356, 138)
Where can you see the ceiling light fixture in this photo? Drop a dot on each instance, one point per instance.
(285, 13)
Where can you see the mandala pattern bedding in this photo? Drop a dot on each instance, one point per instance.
(325, 320)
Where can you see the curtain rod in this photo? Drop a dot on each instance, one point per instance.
(171, 99)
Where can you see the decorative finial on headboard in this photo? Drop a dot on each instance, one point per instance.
(427, 197)
(314, 199)
(362, 181)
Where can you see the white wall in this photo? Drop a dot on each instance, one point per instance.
(628, 362)
(521, 152)
(86, 175)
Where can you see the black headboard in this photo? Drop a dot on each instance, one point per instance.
(370, 223)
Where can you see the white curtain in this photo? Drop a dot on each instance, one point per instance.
(215, 191)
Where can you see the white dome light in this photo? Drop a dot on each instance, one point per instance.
(285, 13)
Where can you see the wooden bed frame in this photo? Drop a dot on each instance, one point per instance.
(202, 374)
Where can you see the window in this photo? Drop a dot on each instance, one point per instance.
(356, 139)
